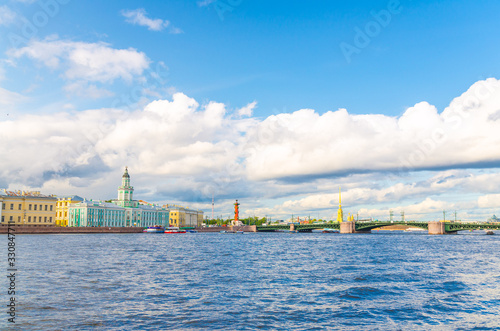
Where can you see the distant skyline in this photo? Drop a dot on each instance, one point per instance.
(275, 104)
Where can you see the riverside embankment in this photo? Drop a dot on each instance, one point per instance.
(23, 229)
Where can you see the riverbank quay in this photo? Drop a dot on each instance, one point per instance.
(23, 229)
(245, 228)
(397, 227)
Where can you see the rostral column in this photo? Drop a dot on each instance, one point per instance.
(236, 213)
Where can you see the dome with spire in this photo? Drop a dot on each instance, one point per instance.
(125, 174)
(125, 192)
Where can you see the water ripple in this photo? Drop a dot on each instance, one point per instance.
(265, 281)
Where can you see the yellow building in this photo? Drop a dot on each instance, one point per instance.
(62, 209)
(184, 217)
(27, 208)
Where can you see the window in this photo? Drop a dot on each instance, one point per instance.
(18, 219)
(35, 207)
(29, 206)
(50, 207)
(45, 219)
(34, 218)
(45, 207)
(41, 208)
(3, 219)
(50, 219)
(11, 206)
(29, 219)
(65, 214)
(3, 205)
(20, 206)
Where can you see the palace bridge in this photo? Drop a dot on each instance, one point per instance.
(434, 227)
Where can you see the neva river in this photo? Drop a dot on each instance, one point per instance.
(379, 281)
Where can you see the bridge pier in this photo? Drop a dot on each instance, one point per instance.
(438, 228)
(350, 227)
(292, 227)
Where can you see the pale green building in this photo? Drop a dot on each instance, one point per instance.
(122, 212)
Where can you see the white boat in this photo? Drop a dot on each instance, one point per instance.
(415, 230)
(174, 230)
(154, 229)
(325, 231)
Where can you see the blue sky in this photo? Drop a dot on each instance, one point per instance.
(253, 68)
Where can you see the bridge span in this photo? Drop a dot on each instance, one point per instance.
(434, 227)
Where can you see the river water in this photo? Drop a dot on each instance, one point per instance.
(379, 281)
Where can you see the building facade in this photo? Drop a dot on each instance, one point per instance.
(184, 217)
(89, 213)
(122, 212)
(137, 213)
(27, 208)
(62, 209)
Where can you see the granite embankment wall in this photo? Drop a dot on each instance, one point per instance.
(246, 228)
(22, 229)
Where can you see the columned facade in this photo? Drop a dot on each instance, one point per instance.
(121, 212)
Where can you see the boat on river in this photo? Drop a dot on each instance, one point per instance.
(415, 230)
(174, 230)
(326, 230)
(490, 232)
(154, 229)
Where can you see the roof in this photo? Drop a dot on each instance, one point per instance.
(72, 198)
(25, 194)
(152, 207)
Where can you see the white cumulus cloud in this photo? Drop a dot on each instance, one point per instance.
(96, 62)
(489, 201)
(296, 161)
(139, 17)
(306, 143)
(247, 110)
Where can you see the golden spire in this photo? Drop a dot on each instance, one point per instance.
(340, 213)
(340, 198)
